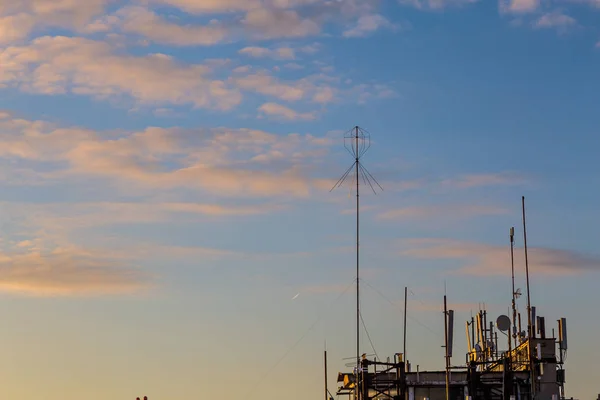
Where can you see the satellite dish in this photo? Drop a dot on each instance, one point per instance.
(503, 323)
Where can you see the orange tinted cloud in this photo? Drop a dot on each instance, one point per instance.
(489, 260)
(226, 162)
(279, 111)
(67, 271)
(19, 18)
(61, 64)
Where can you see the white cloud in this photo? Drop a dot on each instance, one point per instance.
(15, 27)
(267, 23)
(237, 163)
(279, 111)
(368, 24)
(293, 66)
(316, 87)
(435, 4)
(19, 18)
(363, 92)
(281, 53)
(61, 64)
(211, 6)
(142, 21)
(556, 20)
(519, 6)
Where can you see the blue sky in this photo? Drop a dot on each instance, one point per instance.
(168, 228)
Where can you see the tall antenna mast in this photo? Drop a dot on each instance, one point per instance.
(404, 335)
(529, 323)
(514, 306)
(357, 141)
(529, 333)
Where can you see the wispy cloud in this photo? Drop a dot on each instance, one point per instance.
(19, 18)
(281, 53)
(443, 211)
(279, 111)
(519, 6)
(367, 24)
(315, 88)
(32, 269)
(224, 162)
(478, 180)
(54, 65)
(93, 214)
(141, 21)
(265, 23)
(460, 307)
(435, 4)
(489, 260)
(555, 20)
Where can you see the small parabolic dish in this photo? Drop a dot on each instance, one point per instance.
(503, 323)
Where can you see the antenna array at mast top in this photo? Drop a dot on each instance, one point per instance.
(357, 142)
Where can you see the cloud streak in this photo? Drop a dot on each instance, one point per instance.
(224, 162)
(555, 20)
(67, 271)
(443, 211)
(368, 24)
(488, 260)
(481, 180)
(278, 111)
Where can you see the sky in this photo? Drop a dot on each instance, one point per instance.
(168, 227)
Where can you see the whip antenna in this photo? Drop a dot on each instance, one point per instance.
(357, 142)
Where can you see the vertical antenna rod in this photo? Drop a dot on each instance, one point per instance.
(529, 333)
(326, 389)
(404, 336)
(446, 346)
(514, 307)
(357, 141)
(356, 165)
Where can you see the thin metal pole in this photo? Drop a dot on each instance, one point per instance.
(473, 331)
(446, 346)
(404, 337)
(484, 329)
(358, 366)
(514, 306)
(529, 333)
(326, 390)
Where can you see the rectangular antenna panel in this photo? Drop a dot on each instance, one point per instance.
(562, 333)
(533, 321)
(541, 324)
